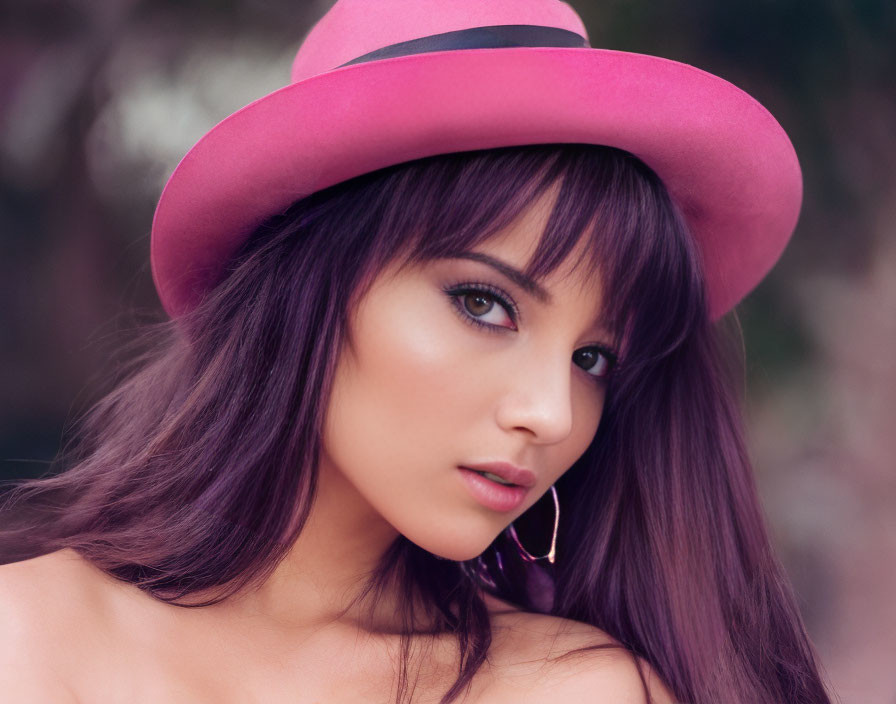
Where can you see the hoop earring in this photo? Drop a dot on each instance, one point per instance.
(529, 557)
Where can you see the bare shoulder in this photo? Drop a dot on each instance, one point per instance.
(51, 597)
(43, 589)
(39, 622)
(611, 674)
(533, 659)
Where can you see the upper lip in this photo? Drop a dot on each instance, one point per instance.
(507, 471)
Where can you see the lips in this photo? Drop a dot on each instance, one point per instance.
(508, 472)
(491, 494)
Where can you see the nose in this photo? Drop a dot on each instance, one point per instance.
(537, 397)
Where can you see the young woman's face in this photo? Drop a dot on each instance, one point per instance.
(436, 377)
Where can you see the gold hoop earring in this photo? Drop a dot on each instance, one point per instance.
(551, 555)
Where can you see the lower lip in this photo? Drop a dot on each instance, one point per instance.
(497, 497)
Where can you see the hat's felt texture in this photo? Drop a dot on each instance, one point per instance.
(725, 160)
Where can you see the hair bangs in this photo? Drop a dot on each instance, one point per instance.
(634, 237)
(609, 206)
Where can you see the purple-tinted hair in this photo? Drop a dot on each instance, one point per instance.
(196, 473)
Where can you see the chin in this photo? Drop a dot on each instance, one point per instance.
(455, 547)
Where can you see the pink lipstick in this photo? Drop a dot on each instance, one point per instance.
(504, 491)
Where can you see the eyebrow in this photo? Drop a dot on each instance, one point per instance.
(527, 283)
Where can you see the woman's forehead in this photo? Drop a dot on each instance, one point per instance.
(525, 232)
(516, 245)
(520, 241)
(516, 250)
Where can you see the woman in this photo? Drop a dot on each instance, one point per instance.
(445, 410)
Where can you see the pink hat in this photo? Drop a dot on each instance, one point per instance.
(376, 83)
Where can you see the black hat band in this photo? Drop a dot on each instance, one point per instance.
(494, 37)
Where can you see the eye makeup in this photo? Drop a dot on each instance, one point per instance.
(458, 291)
(608, 355)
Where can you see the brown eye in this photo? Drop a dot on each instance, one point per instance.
(595, 361)
(476, 305)
(481, 303)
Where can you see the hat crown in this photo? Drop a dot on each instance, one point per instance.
(352, 28)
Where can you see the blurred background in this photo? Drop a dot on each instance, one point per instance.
(99, 99)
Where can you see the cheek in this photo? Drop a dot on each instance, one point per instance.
(409, 363)
(587, 408)
(400, 392)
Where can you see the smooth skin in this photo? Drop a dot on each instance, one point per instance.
(420, 389)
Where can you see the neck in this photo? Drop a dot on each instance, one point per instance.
(321, 580)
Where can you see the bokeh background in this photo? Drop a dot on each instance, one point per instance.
(99, 99)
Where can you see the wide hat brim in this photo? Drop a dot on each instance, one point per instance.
(724, 158)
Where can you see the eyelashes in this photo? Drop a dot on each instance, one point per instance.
(458, 292)
(487, 291)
